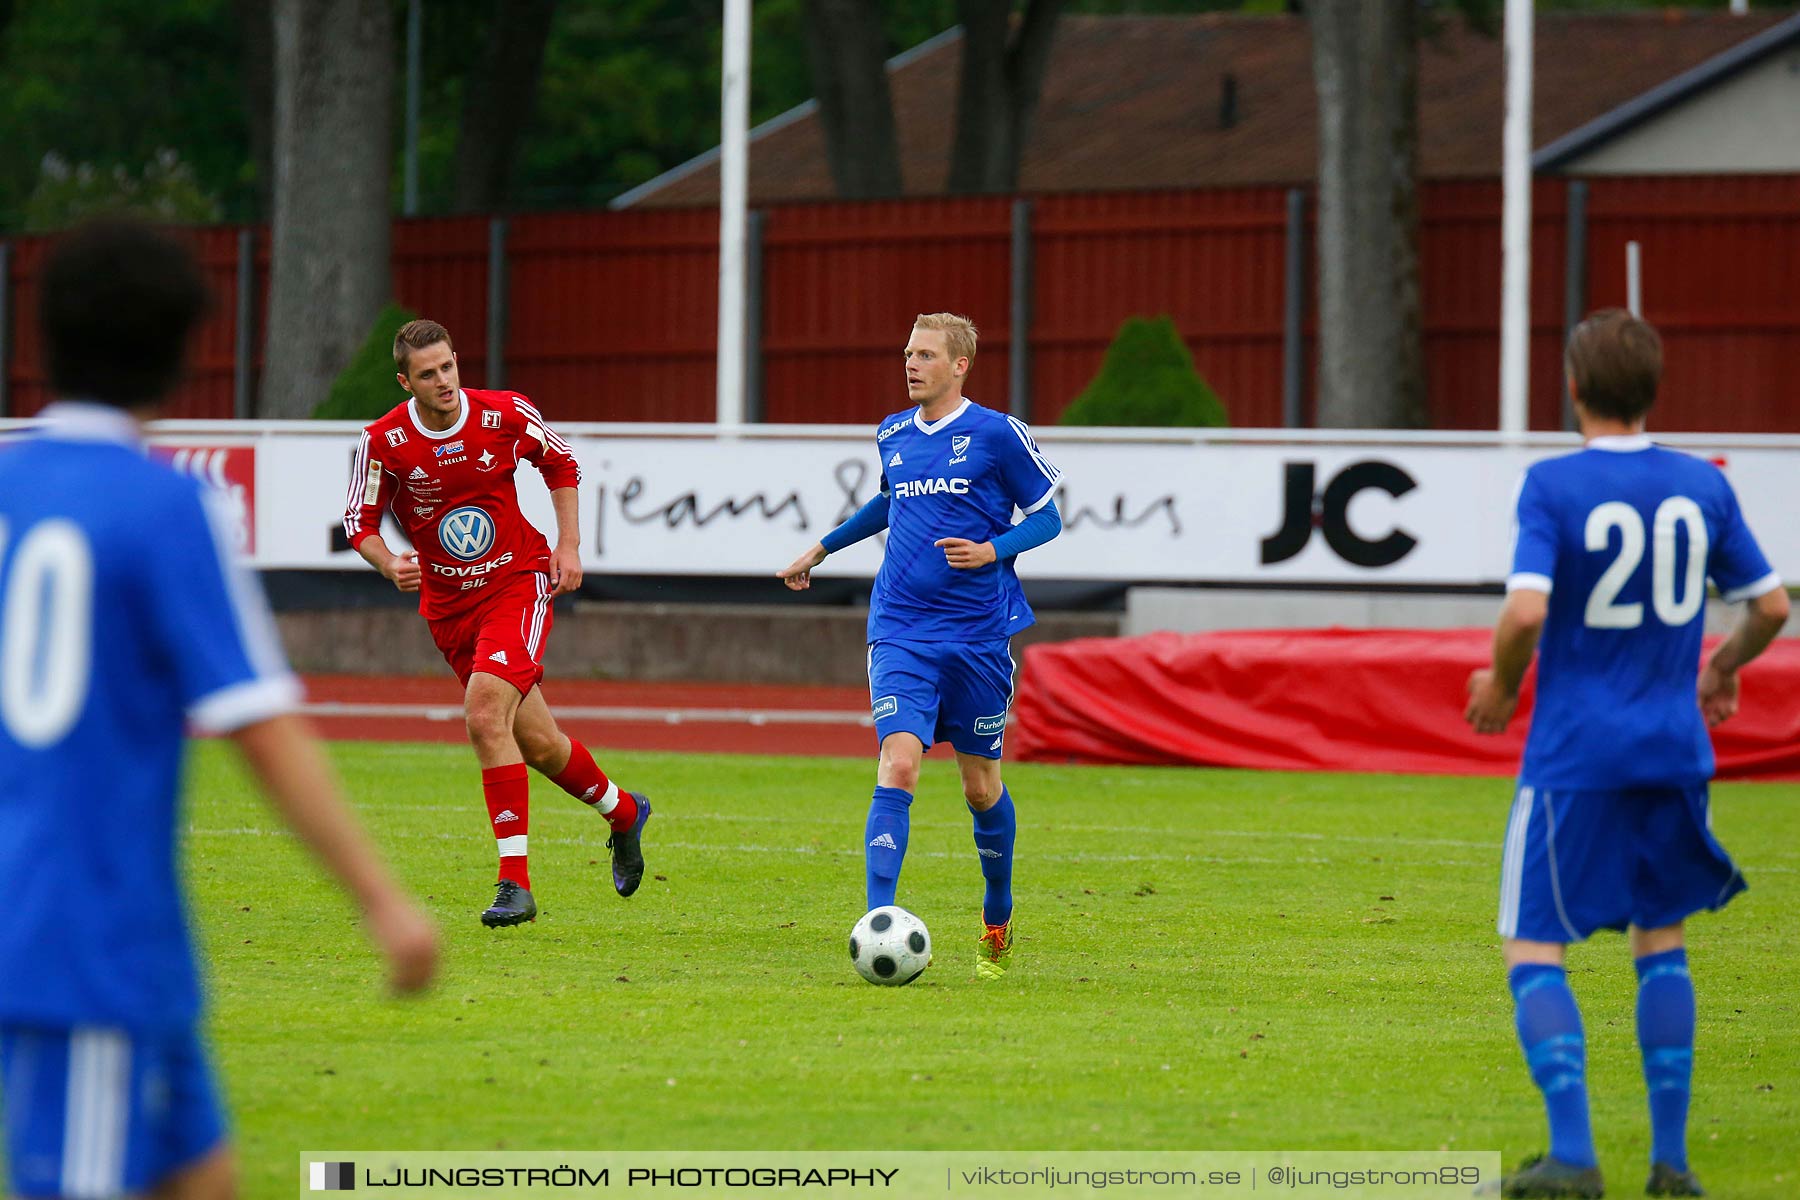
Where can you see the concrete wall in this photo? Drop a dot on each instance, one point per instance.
(1750, 122)
(739, 643)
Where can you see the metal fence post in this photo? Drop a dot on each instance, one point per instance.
(1019, 373)
(1293, 320)
(498, 300)
(244, 349)
(1575, 281)
(754, 401)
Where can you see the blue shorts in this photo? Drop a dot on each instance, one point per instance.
(94, 1112)
(956, 692)
(1576, 862)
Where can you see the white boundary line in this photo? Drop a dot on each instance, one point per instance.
(594, 712)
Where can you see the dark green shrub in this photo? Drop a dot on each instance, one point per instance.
(366, 388)
(1147, 379)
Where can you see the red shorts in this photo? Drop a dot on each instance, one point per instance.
(504, 635)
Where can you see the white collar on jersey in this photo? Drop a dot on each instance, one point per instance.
(412, 410)
(934, 426)
(87, 421)
(1620, 443)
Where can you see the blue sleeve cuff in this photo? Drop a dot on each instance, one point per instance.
(1030, 533)
(866, 522)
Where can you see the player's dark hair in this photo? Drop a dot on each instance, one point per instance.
(1616, 361)
(416, 335)
(117, 304)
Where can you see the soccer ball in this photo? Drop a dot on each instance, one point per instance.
(890, 946)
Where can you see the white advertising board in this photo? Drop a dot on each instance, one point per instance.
(1253, 507)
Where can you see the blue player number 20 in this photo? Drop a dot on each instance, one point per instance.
(1672, 607)
(46, 632)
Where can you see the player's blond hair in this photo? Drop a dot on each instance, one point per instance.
(416, 335)
(959, 333)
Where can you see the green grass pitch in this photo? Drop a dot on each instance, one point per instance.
(1207, 960)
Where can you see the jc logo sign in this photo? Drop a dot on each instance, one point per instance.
(1304, 507)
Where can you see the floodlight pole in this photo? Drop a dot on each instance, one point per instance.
(1634, 279)
(1515, 287)
(734, 141)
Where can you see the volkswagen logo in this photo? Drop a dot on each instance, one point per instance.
(467, 533)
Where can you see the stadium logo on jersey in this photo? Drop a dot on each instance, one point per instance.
(887, 706)
(890, 431)
(396, 436)
(490, 420)
(449, 448)
(1306, 508)
(467, 533)
(987, 725)
(931, 487)
(894, 461)
(959, 448)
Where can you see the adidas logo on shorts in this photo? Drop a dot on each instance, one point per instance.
(884, 840)
(498, 656)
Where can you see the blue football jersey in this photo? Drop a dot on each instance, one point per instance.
(960, 476)
(1623, 535)
(122, 617)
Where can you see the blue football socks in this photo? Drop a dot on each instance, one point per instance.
(1665, 1027)
(994, 842)
(884, 843)
(1549, 1025)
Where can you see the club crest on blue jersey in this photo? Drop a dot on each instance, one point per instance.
(467, 533)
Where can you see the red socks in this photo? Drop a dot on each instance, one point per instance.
(583, 779)
(508, 793)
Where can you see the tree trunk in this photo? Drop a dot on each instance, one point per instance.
(256, 41)
(1002, 77)
(1366, 67)
(847, 53)
(498, 101)
(329, 276)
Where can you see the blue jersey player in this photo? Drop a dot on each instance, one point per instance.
(122, 616)
(945, 603)
(1610, 827)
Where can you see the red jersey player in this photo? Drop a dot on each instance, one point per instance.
(444, 462)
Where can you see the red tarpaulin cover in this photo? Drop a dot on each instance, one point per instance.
(1327, 699)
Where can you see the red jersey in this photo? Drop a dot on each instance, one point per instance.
(453, 493)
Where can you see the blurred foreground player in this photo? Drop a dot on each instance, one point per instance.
(1610, 827)
(486, 578)
(944, 607)
(122, 615)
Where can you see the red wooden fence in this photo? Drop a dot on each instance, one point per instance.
(612, 314)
